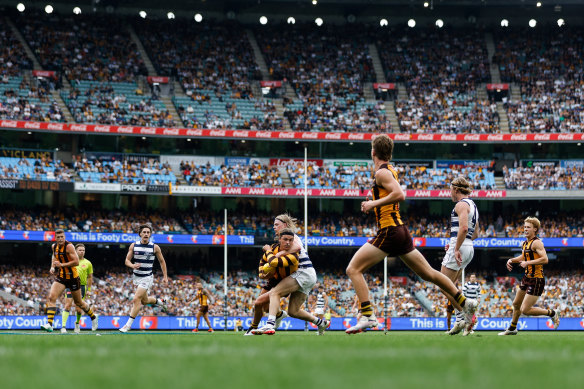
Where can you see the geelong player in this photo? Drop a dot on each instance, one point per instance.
(393, 239)
(63, 263)
(471, 290)
(464, 222)
(143, 252)
(85, 270)
(321, 304)
(532, 259)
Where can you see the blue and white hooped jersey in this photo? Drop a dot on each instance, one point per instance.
(473, 219)
(144, 255)
(320, 300)
(303, 258)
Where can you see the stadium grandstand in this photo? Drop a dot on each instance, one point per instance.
(122, 113)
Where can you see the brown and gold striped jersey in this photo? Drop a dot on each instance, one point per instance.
(60, 254)
(203, 298)
(285, 265)
(386, 215)
(529, 254)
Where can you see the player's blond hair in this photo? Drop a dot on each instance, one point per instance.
(288, 220)
(462, 185)
(534, 222)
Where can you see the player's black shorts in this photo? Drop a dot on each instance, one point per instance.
(72, 284)
(70, 296)
(394, 241)
(532, 286)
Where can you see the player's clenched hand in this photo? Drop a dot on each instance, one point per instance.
(57, 264)
(509, 265)
(367, 205)
(136, 266)
(266, 247)
(523, 264)
(165, 280)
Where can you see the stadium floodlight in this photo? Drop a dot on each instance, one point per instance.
(318, 21)
(538, 4)
(439, 23)
(426, 4)
(412, 23)
(383, 23)
(291, 20)
(77, 11)
(20, 7)
(504, 23)
(49, 9)
(561, 23)
(532, 23)
(263, 20)
(188, 139)
(198, 18)
(170, 15)
(314, 2)
(143, 14)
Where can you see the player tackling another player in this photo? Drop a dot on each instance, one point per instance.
(64, 262)
(532, 259)
(393, 239)
(143, 252)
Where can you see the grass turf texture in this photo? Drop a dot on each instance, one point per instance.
(291, 360)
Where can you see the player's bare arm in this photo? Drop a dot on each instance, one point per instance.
(396, 194)
(513, 260)
(160, 257)
(209, 296)
(462, 209)
(129, 258)
(295, 248)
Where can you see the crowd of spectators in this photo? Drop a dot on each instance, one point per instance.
(82, 47)
(43, 168)
(13, 58)
(22, 99)
(113, 290)
(544, 177)
(546, 64)
(441, 70)
(253, 175)
(124, 171)
(101, 103)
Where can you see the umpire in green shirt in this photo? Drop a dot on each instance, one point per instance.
(85, 270)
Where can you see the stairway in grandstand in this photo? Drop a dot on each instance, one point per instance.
(379, 74)
(142, 50)
(29, 53)
(390, 109)
(285, 177)
(280, 111)
(494, 69)
(259, 58)
(499, 182)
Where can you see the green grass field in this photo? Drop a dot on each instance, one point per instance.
(291, 360)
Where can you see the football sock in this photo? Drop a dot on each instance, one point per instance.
(366, 309)
(51, 314)
(89, 312)
(64, 317)
(78, 318)
(271, 320)
(513, 326)
(318, 321)
(551, 313)
(130, 321)
(459, 297)
(253, 326)
(279, 315)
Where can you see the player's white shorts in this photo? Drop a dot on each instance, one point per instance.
(466, 251)
(306, 278)
(143, 282)
(319, 311)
